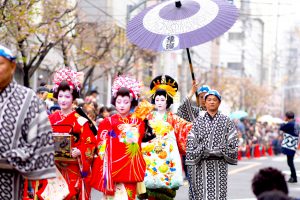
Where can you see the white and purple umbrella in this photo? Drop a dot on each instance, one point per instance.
(173, 25)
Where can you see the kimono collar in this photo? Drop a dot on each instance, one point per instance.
(212, 117)
(127, 116)
(164, 116)
(9, 87)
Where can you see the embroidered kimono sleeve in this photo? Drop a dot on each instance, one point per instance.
(181, 129)
(187, 111)
(34, 156)
(87, 148)
(103, 130)
(194, 146)
(230, 147)
(97, 179)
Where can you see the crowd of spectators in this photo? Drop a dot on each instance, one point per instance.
(252, 133)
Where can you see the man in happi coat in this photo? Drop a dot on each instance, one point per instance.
(212, 144)
(189, 112)
(289, 144)
(26, 145)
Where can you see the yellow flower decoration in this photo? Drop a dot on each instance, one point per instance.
(148, 148)
(160, 127)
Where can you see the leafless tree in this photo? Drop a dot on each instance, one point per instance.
(34, 27)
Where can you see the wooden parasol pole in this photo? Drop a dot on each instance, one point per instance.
(192, 73)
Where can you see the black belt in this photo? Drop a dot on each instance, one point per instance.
(213, 158)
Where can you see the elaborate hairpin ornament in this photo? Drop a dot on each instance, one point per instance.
(166, 83)
(123, 81)
(73, 78)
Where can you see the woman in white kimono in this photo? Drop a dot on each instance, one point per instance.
(212, 144)
(162, 154)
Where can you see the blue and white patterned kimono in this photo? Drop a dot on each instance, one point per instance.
(212, 144)
(26, 144)
(188, 112)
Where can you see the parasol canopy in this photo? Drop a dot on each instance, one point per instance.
(173, 25)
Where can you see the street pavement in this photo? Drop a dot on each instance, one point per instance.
(239, 179)
(240, 176)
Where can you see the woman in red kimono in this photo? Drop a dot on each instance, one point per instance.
(120, 164)
(75, 163)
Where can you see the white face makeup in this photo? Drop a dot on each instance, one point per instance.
(123, 105)
(65, 100)
(160, 103)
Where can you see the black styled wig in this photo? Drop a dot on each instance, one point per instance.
(125, 92)
(161, 92)
(64, 86)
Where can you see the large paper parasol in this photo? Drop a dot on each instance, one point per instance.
(174, 25)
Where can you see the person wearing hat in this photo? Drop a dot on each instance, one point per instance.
(162, 154)
(42, 92)
(54, 108)
(27, 148)
(189, 112)
(212, 144)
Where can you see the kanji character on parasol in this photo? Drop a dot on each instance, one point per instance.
(120, 164)
(173, 25)
(162, 154)
(74, 140)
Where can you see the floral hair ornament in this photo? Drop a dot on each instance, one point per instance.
(166, 83)
(133, 85)
(73, 78)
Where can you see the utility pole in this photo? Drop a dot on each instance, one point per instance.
(274, 77)
(262, 24)
(244, 27)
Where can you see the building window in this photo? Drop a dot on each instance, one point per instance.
(235, 36)
(234, 65)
